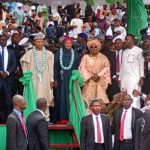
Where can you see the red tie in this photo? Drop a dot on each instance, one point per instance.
(122, 126)
(98, 130)
(23, 125)
(117, 63)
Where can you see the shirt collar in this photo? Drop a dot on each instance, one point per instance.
(41, 112)
(17, 112)
(95, 115)
(128, 110)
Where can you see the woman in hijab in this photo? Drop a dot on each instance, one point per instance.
(95, 69)
(66, 60)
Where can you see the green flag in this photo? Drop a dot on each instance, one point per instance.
(137, 17)
(114, 1)
(77, 104)
(28, 93)
(90, 2)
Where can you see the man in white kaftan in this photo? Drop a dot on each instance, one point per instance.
(77, 24)
(132, 69)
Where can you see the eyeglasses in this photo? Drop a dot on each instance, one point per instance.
(93, 47)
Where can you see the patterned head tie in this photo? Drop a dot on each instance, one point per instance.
(94, 41)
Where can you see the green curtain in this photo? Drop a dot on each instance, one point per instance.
(137, 17)
(114, 1)
(77, 104)
(29, 93)
(90, 2)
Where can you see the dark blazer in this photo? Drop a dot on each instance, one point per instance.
(19, 51)
(136, 114)
(113, 88)
(87, 137)
(16, 139)
(143, 132)
(145, 87)
(11, 67)
(37, 131)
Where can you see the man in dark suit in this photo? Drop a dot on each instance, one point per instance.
(145, 88)
(124, 125)
(95, 129)
(16, 129)
(37, 127)
(115, 59)
(7, 69)
(19, 52)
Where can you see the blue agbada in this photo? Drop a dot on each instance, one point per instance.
(63, 77)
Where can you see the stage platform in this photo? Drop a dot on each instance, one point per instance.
(61, 137)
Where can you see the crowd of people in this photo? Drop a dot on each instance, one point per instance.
(115, 70)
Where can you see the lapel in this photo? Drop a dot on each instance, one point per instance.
(24, 132)
(133, 119)
(103, 124)
(8, 58)
(119, 116)
(0, 57)
(15, 114)
(91, 123)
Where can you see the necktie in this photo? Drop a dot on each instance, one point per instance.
(117, 63)
(122, 126)
(3, 58)
(98, 130)
(23, 125)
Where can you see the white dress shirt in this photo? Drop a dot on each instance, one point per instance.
(95, 128)
(127, 123)
(5, 57)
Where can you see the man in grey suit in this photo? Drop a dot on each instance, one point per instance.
(16, 129)
(37, 127)
(95, 129)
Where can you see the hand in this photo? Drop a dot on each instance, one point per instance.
(55, 84)
(96, 77)
(19, 74)
(4, 75)
(1, 73)
(117, 80)
(141, 81)
(51, 84)
(74, 26)
(122, 93)
(136, 93)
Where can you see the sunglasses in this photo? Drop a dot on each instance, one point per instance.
(93, 47)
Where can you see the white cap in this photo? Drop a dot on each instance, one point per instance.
(39, 35)
(33, 7)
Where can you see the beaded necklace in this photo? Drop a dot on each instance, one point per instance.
(39, 67)
(61, 62)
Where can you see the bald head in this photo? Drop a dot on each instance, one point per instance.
(17, 98)
(41, 104)
(19, 102)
